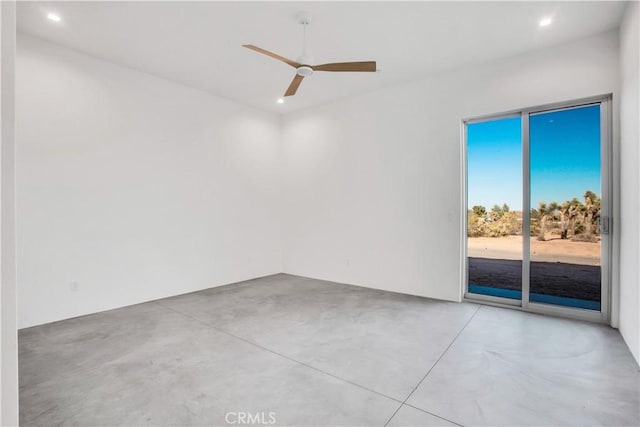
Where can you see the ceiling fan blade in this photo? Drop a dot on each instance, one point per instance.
(293, 87)
(294, 64)
(365, 66)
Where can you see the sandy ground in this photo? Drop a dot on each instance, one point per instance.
(552, 250)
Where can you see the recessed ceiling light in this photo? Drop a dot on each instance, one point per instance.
(545, 22)
(53, 17)
(280, 101)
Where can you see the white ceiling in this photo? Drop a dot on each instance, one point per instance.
(198, 43)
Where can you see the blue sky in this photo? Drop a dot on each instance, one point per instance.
(564, 153)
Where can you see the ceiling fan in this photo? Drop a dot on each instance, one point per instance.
(303, 69)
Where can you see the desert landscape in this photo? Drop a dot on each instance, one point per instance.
(565, 251)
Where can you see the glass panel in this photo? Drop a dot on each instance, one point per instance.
(564, 150)
(494, 203)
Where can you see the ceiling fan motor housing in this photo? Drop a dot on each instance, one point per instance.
(304, 71)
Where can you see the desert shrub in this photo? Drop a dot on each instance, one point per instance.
(497, 223)
(512, 222)
(497, 229)
(476, 226)
(535, 227)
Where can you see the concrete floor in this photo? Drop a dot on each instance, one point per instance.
(309, 352)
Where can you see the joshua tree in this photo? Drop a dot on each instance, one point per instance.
(545, 213)
(479, 210)
(591, 212)
(569, 211)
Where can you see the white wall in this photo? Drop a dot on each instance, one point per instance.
(8, 328)
(373, 189)
(629, 188)
(135, 188)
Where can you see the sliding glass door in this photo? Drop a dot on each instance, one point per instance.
(538, 208)
(494, 214)
(565, 181)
